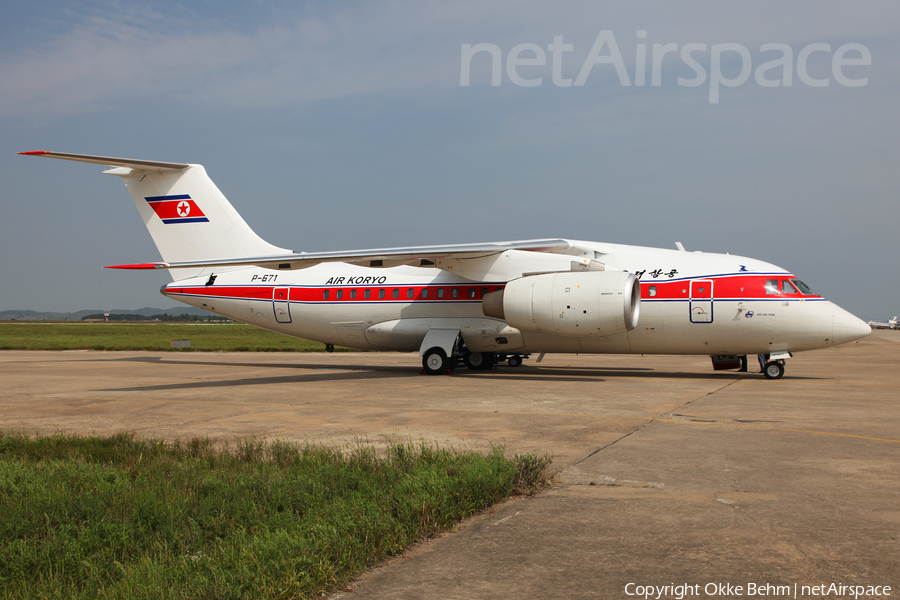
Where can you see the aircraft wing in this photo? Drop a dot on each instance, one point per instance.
(420, 256)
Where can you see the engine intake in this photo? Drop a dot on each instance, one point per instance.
(594, 303)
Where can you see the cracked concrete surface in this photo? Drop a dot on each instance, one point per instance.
(668, 472)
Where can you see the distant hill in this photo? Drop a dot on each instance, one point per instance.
(31, 315)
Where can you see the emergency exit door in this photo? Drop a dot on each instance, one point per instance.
(280, 304)
(701, 301)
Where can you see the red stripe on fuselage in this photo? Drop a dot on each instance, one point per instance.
(741, 287)
(470, 293)
(744, 287)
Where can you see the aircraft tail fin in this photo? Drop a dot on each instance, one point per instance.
(186, 214)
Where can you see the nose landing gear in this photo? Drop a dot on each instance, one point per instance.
(774, 369)
(772, 365)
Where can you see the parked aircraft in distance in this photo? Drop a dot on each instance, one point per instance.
(476, 302)
(894, 323)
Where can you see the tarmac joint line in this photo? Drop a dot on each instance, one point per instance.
(651, 419)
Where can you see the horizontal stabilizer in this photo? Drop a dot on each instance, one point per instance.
(140, 266)
(142, 165)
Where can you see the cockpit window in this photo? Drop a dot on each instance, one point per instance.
(804, 289)
(787, 288)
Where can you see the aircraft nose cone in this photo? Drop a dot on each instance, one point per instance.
(848, 327)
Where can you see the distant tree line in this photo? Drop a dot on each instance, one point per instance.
(162, 317)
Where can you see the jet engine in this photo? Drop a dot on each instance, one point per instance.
(592, 303)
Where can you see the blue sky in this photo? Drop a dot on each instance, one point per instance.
(344, 125)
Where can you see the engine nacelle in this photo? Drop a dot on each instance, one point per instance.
(580, 304)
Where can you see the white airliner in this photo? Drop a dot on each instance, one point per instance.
(894, 323)
(476, 302)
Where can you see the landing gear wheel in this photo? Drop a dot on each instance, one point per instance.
(478, 361)
(774, 370)
(329, 347)
(514, 361)
(435, 361)
(474, 360)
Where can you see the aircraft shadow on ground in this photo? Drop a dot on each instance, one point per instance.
(525, 373)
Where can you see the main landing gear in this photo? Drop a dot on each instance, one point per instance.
(485, 361)
(479, 361)
(436, 362)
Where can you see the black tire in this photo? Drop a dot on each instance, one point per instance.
(514, 361)
(774, 370)
(435, 361)
(477, 361)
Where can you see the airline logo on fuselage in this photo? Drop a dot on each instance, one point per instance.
(176, 209)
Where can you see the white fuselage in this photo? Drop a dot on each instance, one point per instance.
(691, 303)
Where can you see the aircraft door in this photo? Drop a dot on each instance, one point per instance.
(701, 301)
(280, 304)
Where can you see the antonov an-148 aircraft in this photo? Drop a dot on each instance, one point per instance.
(476, 302)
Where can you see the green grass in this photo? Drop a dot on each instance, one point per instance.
(91, 517)
(230, 337)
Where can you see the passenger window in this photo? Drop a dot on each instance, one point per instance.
(410, 293)
(424, 293)
(396, 293)
(455, 292)
(440, 292)
(471, 292)
(353, 294)
(367, 294)
(483, 292)
(771, 286)
(381, 293)
(651, 290)
(325, 295)
(340, 294)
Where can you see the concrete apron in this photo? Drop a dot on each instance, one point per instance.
(669, 473)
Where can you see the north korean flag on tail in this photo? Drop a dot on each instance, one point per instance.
(177, 209)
